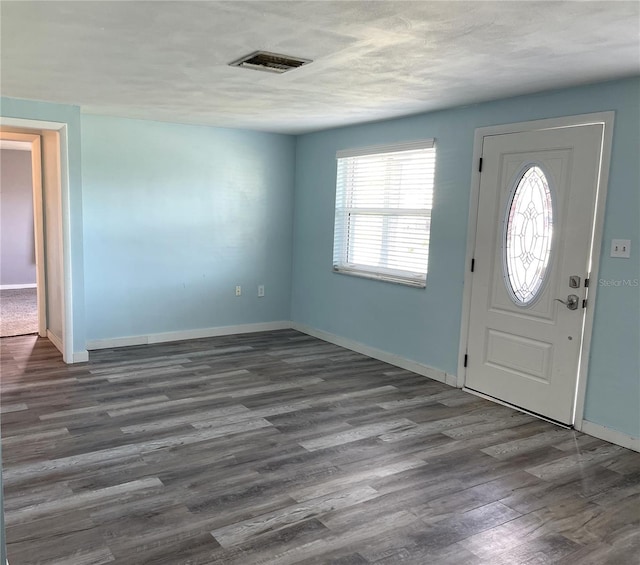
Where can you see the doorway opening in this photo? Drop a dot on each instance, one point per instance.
(46, 183)
(18, 261)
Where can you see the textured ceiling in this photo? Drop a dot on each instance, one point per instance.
(372, 60)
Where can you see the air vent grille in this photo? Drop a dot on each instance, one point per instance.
(270, 62)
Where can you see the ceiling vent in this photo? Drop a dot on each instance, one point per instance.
(270, 62)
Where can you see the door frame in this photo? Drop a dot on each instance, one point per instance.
(37, 127)
(607, 120)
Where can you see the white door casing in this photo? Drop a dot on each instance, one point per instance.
(54, 177)
(528, 355)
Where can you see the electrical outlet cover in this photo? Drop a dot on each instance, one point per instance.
(621, 248)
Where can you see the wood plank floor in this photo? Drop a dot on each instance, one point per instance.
(278, 448)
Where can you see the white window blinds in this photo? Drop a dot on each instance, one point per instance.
(384, 197)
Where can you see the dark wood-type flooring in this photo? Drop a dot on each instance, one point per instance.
(278, 448)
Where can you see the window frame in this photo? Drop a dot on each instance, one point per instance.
(346, 213)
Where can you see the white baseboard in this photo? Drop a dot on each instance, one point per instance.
(53, 338)
(80, 356)
(379, 354)
(17, 286)
(610, 435)
(185, 334)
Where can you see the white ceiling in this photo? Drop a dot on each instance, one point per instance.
(168, 61)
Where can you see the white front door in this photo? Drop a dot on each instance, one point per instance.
(535, 222)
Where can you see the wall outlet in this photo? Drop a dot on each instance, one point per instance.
(238, 291)
(621, 248)
(261, 290)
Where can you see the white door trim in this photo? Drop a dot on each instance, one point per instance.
(65, 195)
(605, 118)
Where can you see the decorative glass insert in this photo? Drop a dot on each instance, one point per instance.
(528, 234)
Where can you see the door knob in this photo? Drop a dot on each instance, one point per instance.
(571, 302)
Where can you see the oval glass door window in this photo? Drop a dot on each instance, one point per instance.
(528, 234)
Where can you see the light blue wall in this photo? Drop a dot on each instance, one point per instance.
(175, 217)
(158, 262)
(424, 324)
(72, 201)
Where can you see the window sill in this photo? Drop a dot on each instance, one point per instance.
(383, 277)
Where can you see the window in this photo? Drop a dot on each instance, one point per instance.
(384, 197)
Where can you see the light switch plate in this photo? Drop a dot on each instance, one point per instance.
(621, 248)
